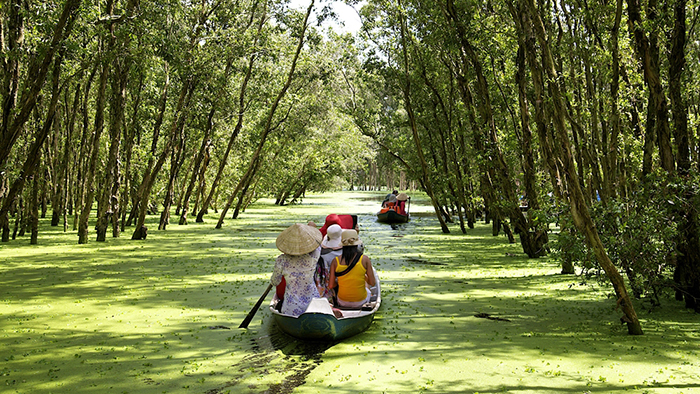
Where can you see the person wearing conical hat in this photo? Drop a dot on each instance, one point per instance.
(300, 245)
(401, 203)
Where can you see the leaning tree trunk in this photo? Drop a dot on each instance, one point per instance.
(178, 153)
(201, 186)
(141, 193)
(204, 148)
(197, 164)
(14, 118)
(244, 191)
(406, 90)
(577, 201)
(33, 158)
(237, 129)
(536, 237)
(270, 116)
(532, 240)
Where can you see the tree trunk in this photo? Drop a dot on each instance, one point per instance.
(531, 241)
(94, 155)
(237, 129)
(577, 202)
(647, 50)
(268, 122)
(688, 243)
(14, 118)
(33, 158)
(67, 154)
(34, 214)
(612, 181)
(127, 194)
(140, 206)
(406, 89)
(108, 209)
(178, 154)
(84, 154)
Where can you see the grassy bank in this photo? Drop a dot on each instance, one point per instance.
(460, 314)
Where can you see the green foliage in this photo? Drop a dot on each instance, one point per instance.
(639, 234)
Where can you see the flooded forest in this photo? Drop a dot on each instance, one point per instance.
(545, 139)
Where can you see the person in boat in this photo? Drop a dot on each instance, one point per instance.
(331, 247)
(300, 245)
(283, 283)
(390, 203)
(401, 203)
(388, 196)
(344, 221)
(353, 273)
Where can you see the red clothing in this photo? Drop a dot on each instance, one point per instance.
(401, 207)
(344, 221)
(281, 288)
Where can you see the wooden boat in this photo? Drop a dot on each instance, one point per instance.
(320, 323)
(391, 216)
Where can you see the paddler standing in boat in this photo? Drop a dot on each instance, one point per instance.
(353, 271)
(300, 245)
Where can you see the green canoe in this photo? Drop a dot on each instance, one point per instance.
(320, 324)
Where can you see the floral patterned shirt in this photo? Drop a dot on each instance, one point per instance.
(298, 271)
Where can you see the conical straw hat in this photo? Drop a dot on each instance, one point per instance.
(299, 239)
(402, 197)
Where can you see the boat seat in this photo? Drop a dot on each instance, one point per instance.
(319, 305)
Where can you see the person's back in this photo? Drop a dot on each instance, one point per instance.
(300, 287)
(351, 286)
(388, 196)
(401, 203)
(300, 247)
(353, 272)
(390, 203)
(401, 207)
(331, 247)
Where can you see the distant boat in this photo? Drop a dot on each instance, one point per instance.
(320, 323)
(391, 216)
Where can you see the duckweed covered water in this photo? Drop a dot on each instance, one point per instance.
(461, 314)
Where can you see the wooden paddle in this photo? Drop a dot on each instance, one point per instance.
(253, 311)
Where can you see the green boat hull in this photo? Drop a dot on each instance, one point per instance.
(391, 217)
(320, 324)
(322, 327)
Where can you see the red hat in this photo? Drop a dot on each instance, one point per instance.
(330, 220)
